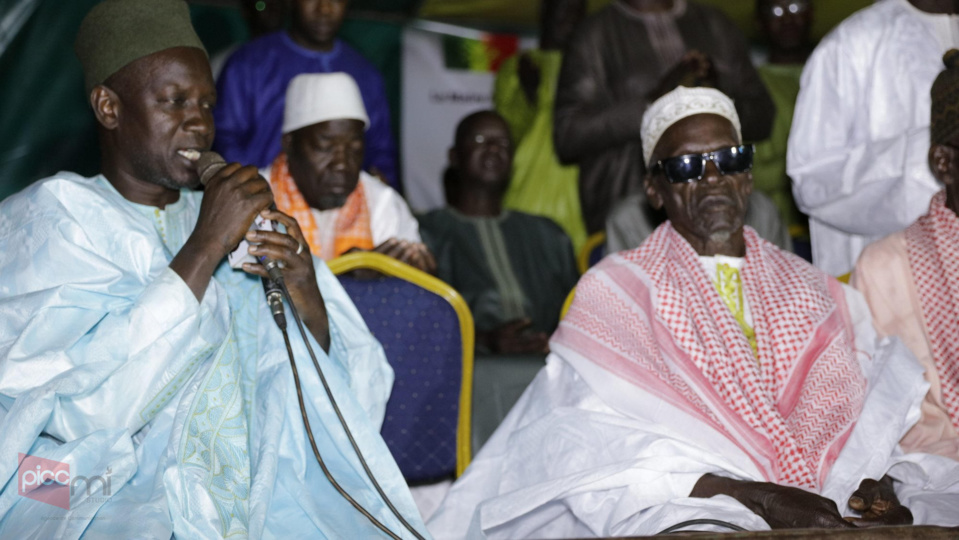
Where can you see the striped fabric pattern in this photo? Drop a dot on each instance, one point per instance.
(652, 317)
(494, 247)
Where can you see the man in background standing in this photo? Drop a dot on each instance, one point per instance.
(860, 134)
(251, 89)
(620, 60)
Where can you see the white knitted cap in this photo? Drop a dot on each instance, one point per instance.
(682, 103)
(312, 98)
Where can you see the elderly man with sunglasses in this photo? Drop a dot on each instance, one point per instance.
(706, 375)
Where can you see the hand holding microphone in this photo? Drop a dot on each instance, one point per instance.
(233, 197)
(238, 195)
(207, 166)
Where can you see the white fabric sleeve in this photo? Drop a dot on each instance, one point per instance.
(390, 216)
(927, 484)
(563, 462)
(895, 389)
(97, 319)
(842, 175)
(123, 362)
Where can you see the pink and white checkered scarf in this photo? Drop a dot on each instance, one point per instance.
(652, 317)
(933, 243)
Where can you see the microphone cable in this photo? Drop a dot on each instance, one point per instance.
(273, 289)
(702, 521)
(207, 165)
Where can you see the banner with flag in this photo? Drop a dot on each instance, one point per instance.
(448, 73)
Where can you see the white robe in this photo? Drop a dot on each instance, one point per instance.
(185, 410)
(858, 147)
(576, 460)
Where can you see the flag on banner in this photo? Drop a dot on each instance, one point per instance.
(484, 54)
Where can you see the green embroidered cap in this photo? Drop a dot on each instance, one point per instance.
(117, 32)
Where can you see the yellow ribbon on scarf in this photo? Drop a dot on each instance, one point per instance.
(730, 287)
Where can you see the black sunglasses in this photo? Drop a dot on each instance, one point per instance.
(691, 167)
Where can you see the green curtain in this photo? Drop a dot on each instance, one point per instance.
(46, 125)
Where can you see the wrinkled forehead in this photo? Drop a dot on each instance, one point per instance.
(696, 134)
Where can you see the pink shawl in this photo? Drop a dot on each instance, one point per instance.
(652, 317)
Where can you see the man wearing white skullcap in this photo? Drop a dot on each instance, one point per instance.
(706, 374)
(317, 177)
(630, 222)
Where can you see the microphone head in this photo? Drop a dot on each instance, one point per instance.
(208, 165)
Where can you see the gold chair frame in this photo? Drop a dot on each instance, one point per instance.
(592, 242)
(391, 267)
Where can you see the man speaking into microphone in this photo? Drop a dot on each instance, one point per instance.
(131, 353)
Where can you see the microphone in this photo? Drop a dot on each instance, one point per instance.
(274, 299)
(207, 165)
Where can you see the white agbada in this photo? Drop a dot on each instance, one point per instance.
(860, 133)
(109, 363)
(582, 454)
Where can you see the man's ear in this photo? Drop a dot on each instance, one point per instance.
(652, 195)
(453, 158)
(106, 106)
(942, 163)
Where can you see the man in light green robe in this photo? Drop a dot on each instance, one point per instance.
(145, 390)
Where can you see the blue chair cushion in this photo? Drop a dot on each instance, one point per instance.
(420, 334)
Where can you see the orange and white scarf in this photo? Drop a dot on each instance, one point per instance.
(653, 318)
(352, 223)
(933, 245)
